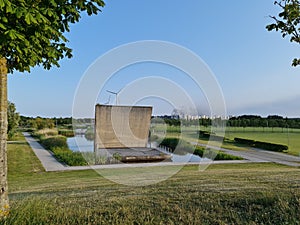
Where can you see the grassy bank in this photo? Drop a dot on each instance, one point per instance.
(222, 194)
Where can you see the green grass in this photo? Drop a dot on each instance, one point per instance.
(222, 194)
(289, 137)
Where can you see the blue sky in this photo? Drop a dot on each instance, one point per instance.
(251, 65)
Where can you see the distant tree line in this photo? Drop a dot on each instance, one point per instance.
(41, 122)
(239, 121)
(258, 121)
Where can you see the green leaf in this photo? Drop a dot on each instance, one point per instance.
(2, 26)
(27, 18)
(2, 4)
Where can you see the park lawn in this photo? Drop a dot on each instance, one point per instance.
(222, 194)
(289, 137)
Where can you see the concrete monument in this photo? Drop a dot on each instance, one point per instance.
(121, 126)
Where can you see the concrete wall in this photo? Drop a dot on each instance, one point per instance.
(121, 126)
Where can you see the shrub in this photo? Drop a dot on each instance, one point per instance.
(66, 133)
(262, 145)
(210, 135)
(218, 155)
(54, 142)
(69, 157)
(271, 146)
(45, 133)
(180, 146)
(244, 141)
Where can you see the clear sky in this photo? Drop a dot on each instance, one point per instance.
(252, 65)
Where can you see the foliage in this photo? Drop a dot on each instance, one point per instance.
(218, 155)
(58, 145)
(244, 141)
(262, 145)
(270, 146)
(210, 135)
(66, 133)
(287, 22)
(46, 132)
(178, 145)
(54, 142)
(222, 194)
(68, 157)
(13, 120)
(32, 32)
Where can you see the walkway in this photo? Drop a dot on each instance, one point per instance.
(259, 155)
(46, 158)
(252, 155)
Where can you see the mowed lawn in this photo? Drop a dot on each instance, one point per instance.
(289, 137)
(222, 194)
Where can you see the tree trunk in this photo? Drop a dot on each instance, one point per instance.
(4, 204)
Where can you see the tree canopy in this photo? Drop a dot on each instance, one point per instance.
(287, 22)
(13, 118)
(32, 31)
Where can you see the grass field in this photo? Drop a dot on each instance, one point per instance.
(289, 137)
(222, 194)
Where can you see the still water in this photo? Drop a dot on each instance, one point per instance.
(80, 143)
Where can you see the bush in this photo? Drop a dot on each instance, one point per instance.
(66, 133)
(244, 141)
(210, 135)
(262, 145)
(271, 146)
(54, 142)
(45, 133)
(69, 157)
(180, 146)
(219, 155)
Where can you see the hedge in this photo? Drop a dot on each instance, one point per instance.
(262, 145)
(54, 142)
(219, 155)
(69, 157)
(244, 141)
(271, 146)
(58, 145)
(210, 135)
(66, 133)
(177, 144)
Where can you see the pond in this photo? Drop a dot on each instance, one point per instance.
(80, 143)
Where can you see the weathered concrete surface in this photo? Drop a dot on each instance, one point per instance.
(135, 154)
(121, 126)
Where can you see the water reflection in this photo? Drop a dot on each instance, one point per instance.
(80, 143)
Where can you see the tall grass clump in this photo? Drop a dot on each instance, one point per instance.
(47, 132)
(66, 132)
(59, 147)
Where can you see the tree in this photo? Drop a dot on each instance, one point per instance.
(13, 120)
(287, 22)
(32, 34)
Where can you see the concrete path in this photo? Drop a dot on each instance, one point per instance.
(46, 158)
(251, 156)
(259, 155)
